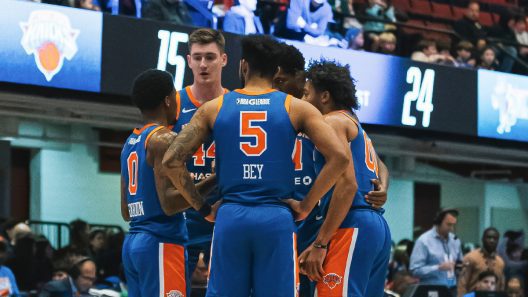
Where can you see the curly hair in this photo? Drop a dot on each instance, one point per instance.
(336, 79)
(291, 59)
(262, 53)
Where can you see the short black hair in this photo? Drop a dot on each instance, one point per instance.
(262, 53)
(487, 273)
(291, 59)
(151, 87)
(491, 229)
(336, 79)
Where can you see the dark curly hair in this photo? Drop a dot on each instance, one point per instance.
(262, 53)
(150, 89)
(336, 79)
(291, 59)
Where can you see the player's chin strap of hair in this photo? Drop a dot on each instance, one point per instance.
(205, 210)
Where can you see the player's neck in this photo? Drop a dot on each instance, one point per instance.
(256, 84)
(204, 92)
(155, 118)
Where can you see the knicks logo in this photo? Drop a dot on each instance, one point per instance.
(49, 36)
(332, 280)
(175, 293)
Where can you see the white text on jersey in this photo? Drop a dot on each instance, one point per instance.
(253, 171)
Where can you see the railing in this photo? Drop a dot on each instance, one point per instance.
(58, 233)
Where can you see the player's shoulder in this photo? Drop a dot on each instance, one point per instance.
(160, 139)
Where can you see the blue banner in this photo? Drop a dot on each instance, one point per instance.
(49, 45)
(502, 105)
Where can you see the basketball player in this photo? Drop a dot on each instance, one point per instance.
(354, 239)
(254, 128)
(206, 59)
(153, 251)
(291, 79)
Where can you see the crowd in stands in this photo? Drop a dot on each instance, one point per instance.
(489, 35)
(31, 266)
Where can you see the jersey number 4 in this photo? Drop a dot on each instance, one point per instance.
(132, 163)
(248, 129)
(201, 154)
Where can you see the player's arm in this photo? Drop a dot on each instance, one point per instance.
(378, 196)
(307, 119)
(342, 198)
(182, 148)
(124, 207)
(171, 200)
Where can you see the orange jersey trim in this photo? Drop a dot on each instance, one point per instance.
(178, 105)
(191, 96)
(220, 102)
(252, 93)
(152, 133)
(139, 131)
(287, 103)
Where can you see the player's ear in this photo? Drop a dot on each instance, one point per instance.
(224, 59)
(167, 101)
(189, 61)
(325, 97)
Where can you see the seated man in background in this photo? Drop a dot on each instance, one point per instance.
(82, 276)
(241, 18)
(487, 282)
(8, 286)
(308, 17)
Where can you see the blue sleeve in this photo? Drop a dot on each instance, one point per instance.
(418, 264)
(322, 20)
(390, 14)
(231, 24)
(12, 280)
(294, 12)
(373, 11)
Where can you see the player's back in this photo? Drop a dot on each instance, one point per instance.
(144, 208)
(365, 164)
(254, 143)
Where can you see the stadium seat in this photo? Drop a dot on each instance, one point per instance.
(443, 11)
(486, 19)
(422, 7)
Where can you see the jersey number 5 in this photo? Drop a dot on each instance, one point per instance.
(258, 144)
(132, 162)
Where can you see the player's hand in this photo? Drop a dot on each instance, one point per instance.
(378, 196)
(214, 208)
(298, 209)
(447, 266)
(313, 263)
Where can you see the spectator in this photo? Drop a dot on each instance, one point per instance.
(241, 18)
(308, 17)
(81, 278)
(87, 4)
(97, 246)
(355, 39)
(487, 282)
(399, 263)
(436, 252)
(378, 10)
(514, 288)
(111, 256)
(463, 55)
(387, 43)
(79, 244)
(346, 7)
(24, 264)
(43, 265)
(173, 11)
(8, 285)
(427, 52)
(402, 281)
(487, 59)
(444, 50)
(506, 48)
(469, 27)
(481, 260)
(521, 35)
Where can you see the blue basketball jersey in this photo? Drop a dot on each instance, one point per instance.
(304, 166)
(365, 164)
(144, 208)
(200, 164)
(254, 142)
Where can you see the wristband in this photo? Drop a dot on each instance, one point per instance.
(205, 210)
(320, 246)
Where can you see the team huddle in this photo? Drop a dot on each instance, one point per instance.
(284, 196)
